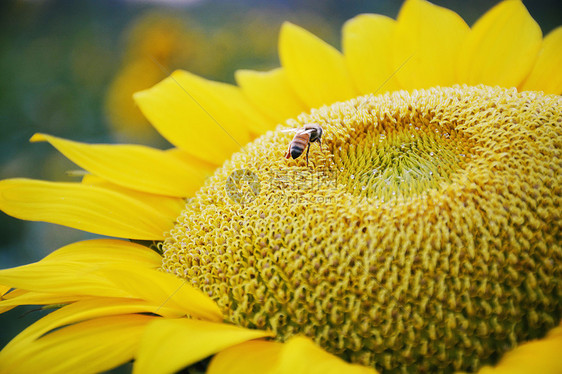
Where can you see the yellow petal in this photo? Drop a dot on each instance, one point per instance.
(92, 346)
(248, 115)
(270, 92)
(169, 345)
(4, 309)
(4, 290)
(5, 304)
(62, 278)
(367, 47)
(83, 207)
(537, 356)
(205, 167)
(102, 251)
(431, 36)
(167, 205)
(37, 298)
(301, 356)
(501, 48)
(195, 115)
(162, 289)
(70, 271)
(121, 280)
(259, 357)
(546, 74)
(316, 70)
(81, 311)
(133, 166)
(22, 297)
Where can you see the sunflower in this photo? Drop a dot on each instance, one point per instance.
(424, 236)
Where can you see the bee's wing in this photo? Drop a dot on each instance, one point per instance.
(290, 130)
(300, 130)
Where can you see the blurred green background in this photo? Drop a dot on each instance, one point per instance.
(68, 68)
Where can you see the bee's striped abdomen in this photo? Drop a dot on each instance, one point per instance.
(299, 143)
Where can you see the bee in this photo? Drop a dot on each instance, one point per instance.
(309, 133)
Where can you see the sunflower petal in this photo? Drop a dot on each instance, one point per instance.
(501, 48)
(537, 356)
(102, 251)
(316, 70)
(62, 278)
(301, 355)
(70, 271)
(271, 92)
(121, 280)
(163, 289)
(5, 305)
(204, 167)
(547, 72)
(4, 290)
(247, 114)
(134, 166)
(167, 205)
(83, 207)
(193, 114)
(431, 36)
(168, 345)
(4, 309)
(98, 345)
(260, 357)
(367, 46)
(82, 311)
(37, 298)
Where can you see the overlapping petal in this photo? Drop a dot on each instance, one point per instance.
(107, 251)
(537, 356)
(260, 357)
(308, 61)
(120, 280)
(89, 208)
(92, 346)
(128, 166)
(298, 355)
(199, 116)
(301, 356)
(426, 42)
(167, 205)
(270, 92)
(168, 345)
(501, 47)
(367, 47)
(546, 74)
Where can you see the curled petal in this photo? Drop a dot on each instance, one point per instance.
(547, 72)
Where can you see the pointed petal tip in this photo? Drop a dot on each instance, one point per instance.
(38, 137)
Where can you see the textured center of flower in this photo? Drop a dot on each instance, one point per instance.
(402, 159)
(425, 235)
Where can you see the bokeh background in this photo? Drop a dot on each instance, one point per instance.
(69, 68)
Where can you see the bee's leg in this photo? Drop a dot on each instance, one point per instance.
(307, 150)
(288, 154)
(320, 143)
